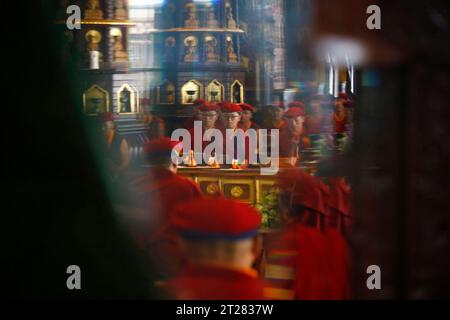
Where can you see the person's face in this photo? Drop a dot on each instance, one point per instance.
(197, 112)
(296, 124)
(231, 120)
(339, 105)
(107, 127)
(316, 107)
(208, 118)
(278, 113)
(246, 116)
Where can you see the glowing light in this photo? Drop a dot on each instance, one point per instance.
(342, 50)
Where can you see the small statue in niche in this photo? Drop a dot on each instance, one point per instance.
(232, 56)
(211, 18)
(191, 21)
(93, 38)
(237, 93)
(191, 49)
(166, 93)
(119, 54)
(211, 44)
(125, 101)
(231, 23)
(170, 97)
(92, 10)
(120, 13)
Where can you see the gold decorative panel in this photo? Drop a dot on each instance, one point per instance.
(242, 185)
(239, 189)
(191, 91)
(237, 92)
(165, 93)
(95, 100)
(210, 188)
(214, 91)
(127, 99)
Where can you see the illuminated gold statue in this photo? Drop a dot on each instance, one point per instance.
(211, 44)
(120, 13)
(119, 53)
(232, 56)
(191, 49)
(211, 18)
(231, 23)
(92, 10)
(93, 38)
(192, 21)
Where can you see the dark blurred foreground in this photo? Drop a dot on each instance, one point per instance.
(57, 211)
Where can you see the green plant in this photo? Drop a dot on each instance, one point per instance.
(268, 207)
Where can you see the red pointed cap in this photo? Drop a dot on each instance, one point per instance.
(294, 112)
(306, 190)
(198, 102)
(296, 104)
(161, 146)
(247, 107)
(228, 107)
(207, 106)
(343, 95)
(216, 218)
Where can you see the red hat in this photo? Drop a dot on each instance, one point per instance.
(106, 116)
(216, 218)
(348, 103)
(199, 102)
(343, 95)
(247, 107)
(306, 190)
(279, 104)
(294, 112)
(228, 107)
(207, 106)
(161, 146)
(296, 104)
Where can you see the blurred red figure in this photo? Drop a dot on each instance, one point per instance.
(315, 121)
(221, 247)
(274, 117)
(337, 226)
(301, 260)
(247, 116)
(291, 134)
(158, 192)
(231, 116)
(155, 126)
(189, 123)
(339, 118)
(208, 114)
(296, 104)
(118, 156)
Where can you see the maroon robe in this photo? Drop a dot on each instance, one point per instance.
(215, 283)
(158, 192)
